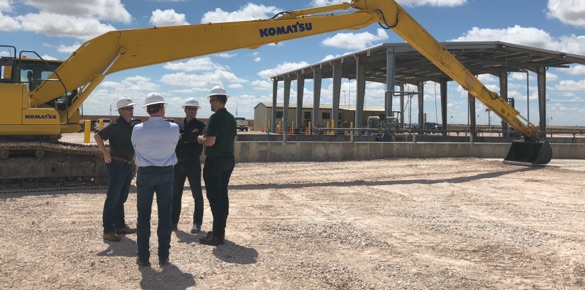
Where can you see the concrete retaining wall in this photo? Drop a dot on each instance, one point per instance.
(254, 151)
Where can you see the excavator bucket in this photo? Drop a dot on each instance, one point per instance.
(529, 153)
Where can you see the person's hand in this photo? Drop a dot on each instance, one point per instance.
(108, 158)
(200, 139)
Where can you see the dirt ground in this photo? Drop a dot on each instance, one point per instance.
(386, 224)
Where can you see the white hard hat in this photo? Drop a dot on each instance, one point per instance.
(191, 102)
(217, 91)
(124, 102)
(153, 99)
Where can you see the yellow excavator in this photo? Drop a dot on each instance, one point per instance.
(41, 98)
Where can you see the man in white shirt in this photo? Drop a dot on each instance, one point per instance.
(154, 142)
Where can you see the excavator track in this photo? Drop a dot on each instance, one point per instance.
(49, 165)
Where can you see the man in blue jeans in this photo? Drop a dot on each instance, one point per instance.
(119, 169)
(154, 142)
(219, 163)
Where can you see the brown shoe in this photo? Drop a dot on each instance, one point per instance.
(111, 236)
(125, 231)
(212, 241)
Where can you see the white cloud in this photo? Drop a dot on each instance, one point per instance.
(135, 87)
(355, 41)
(111, 10)
(528, 36)
(256, 56)
(262, 85)
(206, 80)
(59, 25)
(195, 64)
(568, 12)
(576, 69)
(68, 48)
(517, 34)
(249, 12)
(235, 86)
(325, 2)
(571, 44)
(5, 5)
(167, 18)
(284, 67)
(8, 23)
(571, 85)
(226, 55)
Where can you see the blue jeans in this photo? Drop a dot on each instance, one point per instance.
(119, 178)
(216, 173)
(149, 180)
(191, 170)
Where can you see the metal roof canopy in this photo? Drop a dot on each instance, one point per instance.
(412, 67)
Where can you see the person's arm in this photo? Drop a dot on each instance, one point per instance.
(100, 143)
(206, 141)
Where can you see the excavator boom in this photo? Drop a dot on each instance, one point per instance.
(40, 109)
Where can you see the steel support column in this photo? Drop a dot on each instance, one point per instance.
(361, 67)
(541, 82)
(317, 77)
(390, 67)
(337, 72)
(300, 94)
(274, 104)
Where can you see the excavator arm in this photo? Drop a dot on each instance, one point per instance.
(126, 49)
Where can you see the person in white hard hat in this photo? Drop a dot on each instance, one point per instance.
(219, 163)
(189, 166)
(154, 142)
(119, 169)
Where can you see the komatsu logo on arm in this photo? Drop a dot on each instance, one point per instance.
(295, 28)
(35, 117)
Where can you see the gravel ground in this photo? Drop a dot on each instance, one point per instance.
(386, 224)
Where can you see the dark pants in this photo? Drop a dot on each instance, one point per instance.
(119, 178)
(189, 169)
(149, 180)
(216, 173)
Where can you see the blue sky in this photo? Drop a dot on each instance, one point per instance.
(56, 28)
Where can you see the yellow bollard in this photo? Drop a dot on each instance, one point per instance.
(351, 127)
(268, 129)
(332, 127)
(86, 131)
(327, 126)
(292, 127)
(100, 125)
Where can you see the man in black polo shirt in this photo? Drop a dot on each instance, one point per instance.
(219, 163)
(119, 169)
(189, 166)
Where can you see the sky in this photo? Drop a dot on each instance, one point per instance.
(55, 29)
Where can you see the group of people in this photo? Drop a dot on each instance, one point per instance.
(166, 155)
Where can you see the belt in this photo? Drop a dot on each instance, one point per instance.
(122, 160)
(157, 167)
(219, 155)
(188, 159)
